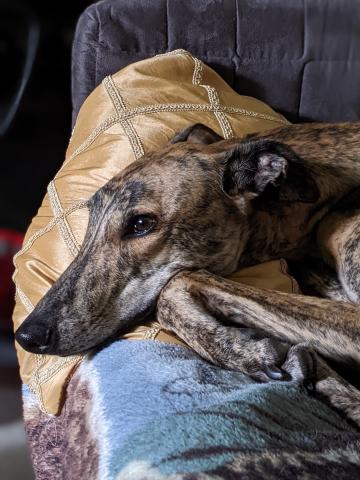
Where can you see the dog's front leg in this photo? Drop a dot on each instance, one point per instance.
(181, 310)
(336, 391)
(206, 311)
(195, 304)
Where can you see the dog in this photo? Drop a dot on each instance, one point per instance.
(166, 231)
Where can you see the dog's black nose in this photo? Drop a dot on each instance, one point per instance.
(35, 337)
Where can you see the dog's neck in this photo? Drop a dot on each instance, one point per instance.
(281, 234)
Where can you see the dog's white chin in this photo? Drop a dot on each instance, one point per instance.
(139, 296)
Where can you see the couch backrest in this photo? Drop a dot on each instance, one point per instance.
(300, 56)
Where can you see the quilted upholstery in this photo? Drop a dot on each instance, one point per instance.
(301, 57)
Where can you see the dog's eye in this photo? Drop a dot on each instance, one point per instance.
(139, 225)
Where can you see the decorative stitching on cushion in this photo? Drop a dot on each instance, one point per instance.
(49, 226)
(50, 372)
(213, 98)
(34, 389)
(198, 71)
(119, 105)
(34, 383)
(54, 199)
(23, 298)
(109, 122)
(36, 380)
(251, 113)
(40, 377)
(167, 107)
(179, 51)
(40, 360)
(29, 307)
(151, 333)
(220, 116)
(194, 107)
(63, 225)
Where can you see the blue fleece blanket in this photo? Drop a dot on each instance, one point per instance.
(149, 410)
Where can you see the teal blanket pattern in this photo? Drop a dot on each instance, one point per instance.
(145, 410)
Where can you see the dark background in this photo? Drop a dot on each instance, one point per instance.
(31, 151)
(34, 146)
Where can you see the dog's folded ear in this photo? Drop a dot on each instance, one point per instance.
(259, 166)
(197, 133)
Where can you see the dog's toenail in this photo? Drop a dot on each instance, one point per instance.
(273, 372)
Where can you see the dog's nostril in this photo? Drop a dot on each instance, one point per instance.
(34, 337)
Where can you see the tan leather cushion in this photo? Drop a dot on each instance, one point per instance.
(135, 111)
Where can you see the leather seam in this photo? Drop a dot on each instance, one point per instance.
(120, 106)
(65, 230)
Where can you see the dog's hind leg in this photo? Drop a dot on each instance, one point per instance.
(308, 368)
(317, 279)
(339, 242)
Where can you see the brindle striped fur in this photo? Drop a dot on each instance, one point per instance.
(220, 205)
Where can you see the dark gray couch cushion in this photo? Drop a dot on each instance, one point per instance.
(300, 56)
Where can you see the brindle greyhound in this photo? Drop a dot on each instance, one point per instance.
(169, 227)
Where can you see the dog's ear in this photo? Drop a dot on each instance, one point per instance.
(197, 133)
(257, 166)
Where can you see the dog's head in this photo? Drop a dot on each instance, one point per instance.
(182, 207)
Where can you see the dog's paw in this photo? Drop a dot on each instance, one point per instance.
(283, 362)
(266, 360)
(245, 351)
(301, 364)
